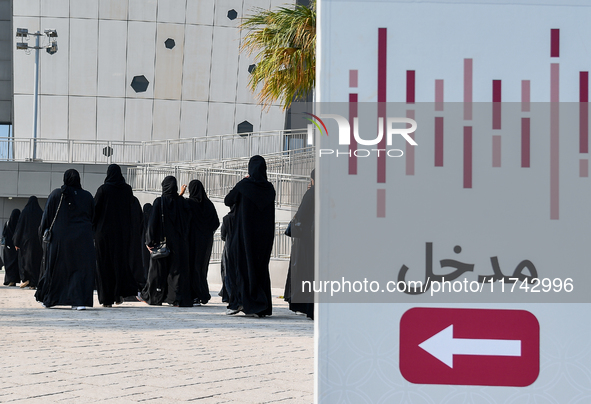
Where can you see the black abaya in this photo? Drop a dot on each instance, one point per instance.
(113, 212)
(168, 278)
(145, 252)
(228, 269)
(252, 238)
(301, 263)
(10, 257)
(26, 238)
(137, 245)
(204, 222)
(70, 259)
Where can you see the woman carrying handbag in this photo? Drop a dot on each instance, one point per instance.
(167, 239)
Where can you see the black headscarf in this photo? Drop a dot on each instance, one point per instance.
(169, 186)
(114, 176)
(204, 213)
(257, 169)
(256, 187)
(14, 216)
(71, 180)
(196, 191)
(313, 174)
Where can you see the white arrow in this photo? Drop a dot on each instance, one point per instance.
(444, 346)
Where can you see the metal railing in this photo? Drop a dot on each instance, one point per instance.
(171, 151)
(218, 182)
(281, 244)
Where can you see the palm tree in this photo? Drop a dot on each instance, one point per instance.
(285, 44)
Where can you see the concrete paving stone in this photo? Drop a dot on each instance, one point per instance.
(148, 354)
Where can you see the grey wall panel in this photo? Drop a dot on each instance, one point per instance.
(53, 117)
(54, 69)
(138, 119)
(253, 6)
(55, 8)
(110, 124)
(29, 8)
(171, 11)
(220, 118)
(112, 58)
(243, 93)
(5, 90)
(224, 64)
(193, 119)
(83, 56)
(200, 12)
(166, 119)
(222, 7)
(23, 116)
(34, 183)
(141, 56)
(197, 62)
(273, 119)
(82, 118)
(6, 43)
(169, 62)
(142, 10)
(250, 113)
(84, 9)
(113, 9)
(9, 182)
(5, 111)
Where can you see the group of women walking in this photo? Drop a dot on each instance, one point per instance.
(160, 255)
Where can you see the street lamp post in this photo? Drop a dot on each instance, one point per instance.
(51, 48)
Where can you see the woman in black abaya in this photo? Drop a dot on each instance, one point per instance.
(301, 262)
(114, 230)
(204, 222)
(26, 239)
(252, 239)
(12, 274)
(70, 259)
(168, 278)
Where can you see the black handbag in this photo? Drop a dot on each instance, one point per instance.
(161, 250)
(47, 234)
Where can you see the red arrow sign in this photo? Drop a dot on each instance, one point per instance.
(469, 347)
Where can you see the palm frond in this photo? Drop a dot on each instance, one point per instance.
(284, 42)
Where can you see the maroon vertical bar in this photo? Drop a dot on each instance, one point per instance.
(496, 104)
(554, 141)
(438, 95)
(381, 203)
(410, 86)
(554, 43)
(584, 112)
(410, 149)
(438, 141)
(382, 75)
(467, 157)
(525, 95)
(525, 142)
(353, 75)
(468, 89)
(583, 168)
(496, 151)
(353, 143)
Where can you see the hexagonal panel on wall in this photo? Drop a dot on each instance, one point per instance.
(245, 127)
(140, 84)
(232, 14)
(169, 43)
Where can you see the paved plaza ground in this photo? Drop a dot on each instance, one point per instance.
(138, 353)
